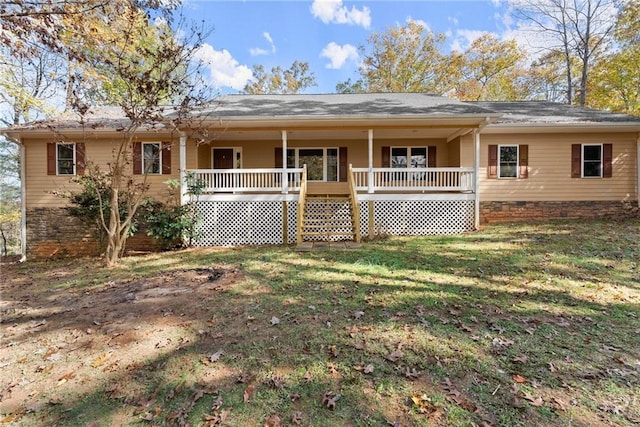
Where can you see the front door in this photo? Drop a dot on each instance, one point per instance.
(223, 158)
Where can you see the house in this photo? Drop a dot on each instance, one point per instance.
(291, 168)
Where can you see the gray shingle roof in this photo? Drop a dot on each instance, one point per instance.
(370, 105)
(543, 112)
(341, 105)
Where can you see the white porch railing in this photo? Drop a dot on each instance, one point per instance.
(244, 180)
(414, 179)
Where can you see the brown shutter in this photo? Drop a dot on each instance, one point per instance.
(51, 158)
(166, 158)
(137, 158)
(492, 167)
(342, 163)
(607, 160)
(431, 156)
(576, 160)
(523, 162)
(386, 157)
(278, 157)
(80, 158)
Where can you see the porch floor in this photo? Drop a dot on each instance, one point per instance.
(327, 246)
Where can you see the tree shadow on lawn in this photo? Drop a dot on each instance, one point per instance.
(465, 322)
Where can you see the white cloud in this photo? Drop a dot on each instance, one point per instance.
(420, 22)
(464, 38)
(224, 70)
(257, 51)
(333, 11)
(453, 20)
(338, 55)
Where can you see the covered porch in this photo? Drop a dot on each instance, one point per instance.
(388, 192)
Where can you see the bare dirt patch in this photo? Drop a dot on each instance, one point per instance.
(59, 343)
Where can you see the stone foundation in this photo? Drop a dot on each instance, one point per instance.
(54, 233)
(521, 211)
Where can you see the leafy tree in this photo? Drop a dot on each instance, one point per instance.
(145, 70)
(492, 70)
(348, 86)
(616, 77)
(9, 196)
(295, 79)
(404, 59)
(578, 28)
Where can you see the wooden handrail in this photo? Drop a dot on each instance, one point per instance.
(355, 205)
(302, 199)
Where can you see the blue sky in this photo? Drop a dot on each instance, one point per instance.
(325, 33)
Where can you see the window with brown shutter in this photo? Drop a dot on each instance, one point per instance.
(51, 158)
(386, 157)
(344, 164)
(492, 166)
(431, 156)
(523, 161)
(607, 160)
(166, 158)
(137, 158)
(65, 158)
(80, 158)
(508, 161)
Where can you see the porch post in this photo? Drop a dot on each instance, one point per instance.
(183, 168)
(476, 180)
(370, 173)
(285, 178)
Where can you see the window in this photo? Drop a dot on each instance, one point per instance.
(408, 157)
(322, 163)
(591, 161)
(151, 158)
(65, 158)
(508, 161)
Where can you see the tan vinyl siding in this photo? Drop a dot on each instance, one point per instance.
(550, 169)
(40, 187)
(260, 154)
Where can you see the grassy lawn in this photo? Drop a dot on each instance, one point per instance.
(521, 324)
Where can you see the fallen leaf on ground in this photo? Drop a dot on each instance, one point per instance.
(216, 356)
(394, 356)
(422, 402)
(412, 374)
(274, 321)
(519, 379)
(100, 360)
(521, 359)
(66, 377)
(329, 400)
(297, 418)
(248, 392)
(368, 369)
(273, 421)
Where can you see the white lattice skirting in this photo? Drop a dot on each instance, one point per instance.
(247, 222)
(418, 217)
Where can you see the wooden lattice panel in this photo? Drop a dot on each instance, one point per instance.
(423, 217)
(227, 223)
